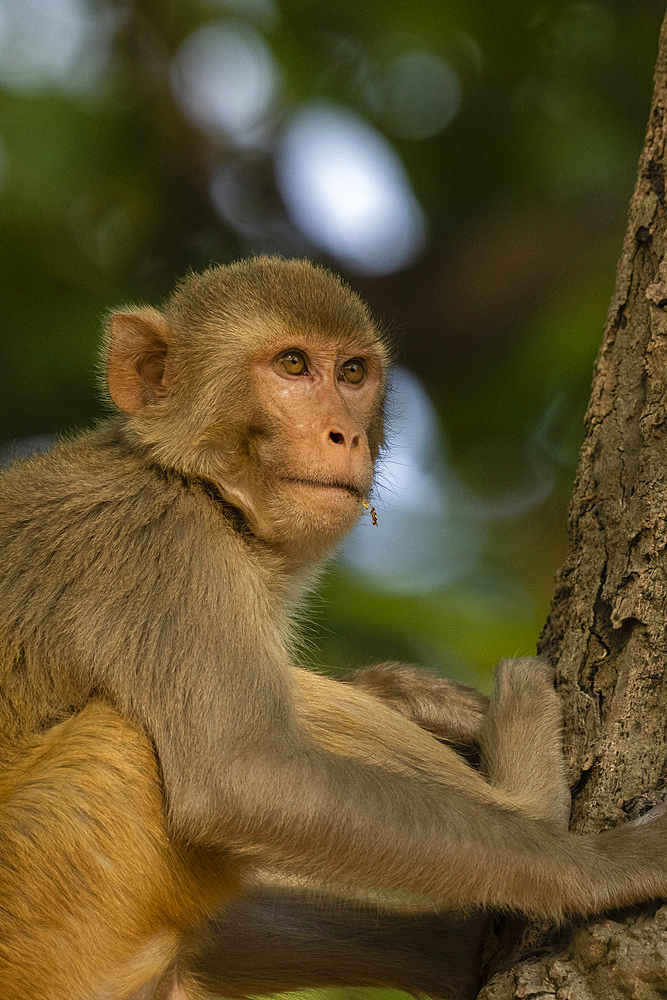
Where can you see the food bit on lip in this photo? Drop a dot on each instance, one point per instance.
(374, 517)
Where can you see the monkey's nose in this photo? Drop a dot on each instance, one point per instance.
(337, 438)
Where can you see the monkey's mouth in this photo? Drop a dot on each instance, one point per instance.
(332, 484)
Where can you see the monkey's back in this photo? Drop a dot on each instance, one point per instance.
(65, 515)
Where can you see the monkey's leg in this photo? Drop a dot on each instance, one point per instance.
(519, 732)
(93, 896)
(521, 739)
(342, 718)
(449, 710)
(275, 941)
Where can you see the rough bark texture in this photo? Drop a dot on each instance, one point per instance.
(607, 626)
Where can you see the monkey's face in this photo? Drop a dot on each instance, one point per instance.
(312, 437)
(266, 379)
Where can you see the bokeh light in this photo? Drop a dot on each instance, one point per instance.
(417, 94)
(227, 79)
(347, 190)
(53, 44)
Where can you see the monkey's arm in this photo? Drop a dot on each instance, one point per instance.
(275, 941)
(360, 796)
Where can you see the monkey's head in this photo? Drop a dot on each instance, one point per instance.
(266, 378)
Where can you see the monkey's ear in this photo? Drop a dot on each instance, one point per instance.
(137, 370)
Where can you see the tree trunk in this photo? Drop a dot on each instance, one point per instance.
(607, 625)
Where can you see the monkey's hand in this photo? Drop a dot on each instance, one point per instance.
(449, 710)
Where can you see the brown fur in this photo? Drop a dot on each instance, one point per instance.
(159, 741)
(276, 940)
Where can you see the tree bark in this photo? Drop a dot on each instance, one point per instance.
(607, 626)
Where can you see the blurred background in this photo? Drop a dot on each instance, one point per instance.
(467, 166)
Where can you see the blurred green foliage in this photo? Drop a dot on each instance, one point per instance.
(520, 133)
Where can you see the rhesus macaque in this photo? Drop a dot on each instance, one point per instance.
(160, 743)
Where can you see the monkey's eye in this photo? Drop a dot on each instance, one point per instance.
(294, 362)
(353, 371)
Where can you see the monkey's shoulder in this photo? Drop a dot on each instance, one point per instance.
(84, 477)
(93, 513)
